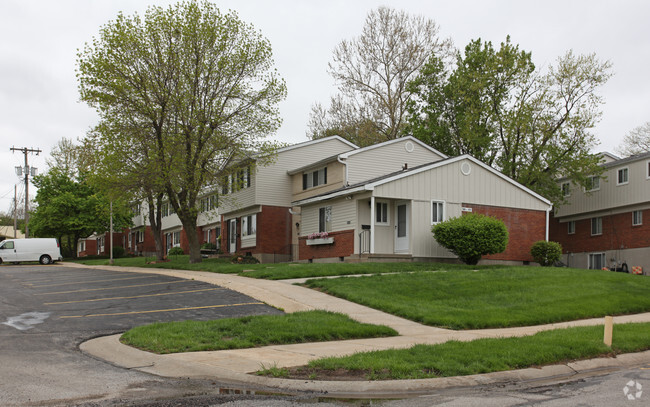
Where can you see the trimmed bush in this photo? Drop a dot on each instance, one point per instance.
(118, 251)
(175, 251)
(471, 236)
(209, 246)
(241, 259)
(546, 253)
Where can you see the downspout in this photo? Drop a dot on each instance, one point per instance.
(345, 164)
(548, 212)
(372, 224)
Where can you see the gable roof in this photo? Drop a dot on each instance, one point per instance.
(316, 141)
(343, 156)
(370, 185)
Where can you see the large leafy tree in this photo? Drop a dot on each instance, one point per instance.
(371, 72)
(496, 105)
(69, 209)
(182, 93)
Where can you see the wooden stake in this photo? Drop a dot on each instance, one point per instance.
(609, 329)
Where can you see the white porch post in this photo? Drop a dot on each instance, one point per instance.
(372, 225)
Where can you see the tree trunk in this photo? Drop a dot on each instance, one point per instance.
(189, 224)
(155, 220)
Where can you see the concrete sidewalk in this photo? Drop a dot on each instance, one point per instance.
(233, 366)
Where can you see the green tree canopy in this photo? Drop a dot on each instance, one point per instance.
(72, 209)
(497, 106)
(182, 93)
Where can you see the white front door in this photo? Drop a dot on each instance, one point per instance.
(402, 227)
(232, 235)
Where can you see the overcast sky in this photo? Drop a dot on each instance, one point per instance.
(39, 101)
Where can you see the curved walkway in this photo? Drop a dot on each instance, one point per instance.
(233, 365)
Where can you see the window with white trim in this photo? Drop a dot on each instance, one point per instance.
(249, 225)
(571, 227)
(566, 189)
(381, 213)
(437, 212)
(325, 219)
(637, 218)
(622, 176)
(314, 178)
(596, 226)
(593, 184)
(647, 167)
(597, 261)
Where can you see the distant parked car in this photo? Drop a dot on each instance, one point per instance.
(45, 250)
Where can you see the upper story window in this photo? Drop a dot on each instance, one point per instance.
(314, 178)
(136, 209)
(209, 203)
(240, 179)
(437, 211)
(622, 176)
(593, 183)
(381, 213)
(566, 189)
(166, 209)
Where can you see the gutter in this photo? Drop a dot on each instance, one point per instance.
(345, 164)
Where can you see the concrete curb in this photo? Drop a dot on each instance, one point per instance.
(233, 366)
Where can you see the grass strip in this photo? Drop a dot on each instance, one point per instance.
(279, 271)
(250, 332)
(496, 298)
(483, 355)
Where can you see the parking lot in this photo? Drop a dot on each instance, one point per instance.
(99, 300)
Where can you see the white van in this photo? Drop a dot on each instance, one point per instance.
(45, 251)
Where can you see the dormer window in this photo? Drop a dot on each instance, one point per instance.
(313, 179)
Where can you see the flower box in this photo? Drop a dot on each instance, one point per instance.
(322, 240)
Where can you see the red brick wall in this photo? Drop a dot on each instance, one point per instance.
(525, 227)
(343, 246)
(91, 248)
(273, 234)
(618, 233)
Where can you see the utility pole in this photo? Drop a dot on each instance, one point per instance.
(15, 210)
(26, 150)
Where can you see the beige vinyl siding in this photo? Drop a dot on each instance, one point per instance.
(379, 161)
(274, 186)
(610, 195)
(335, 180)
(343, 216)
(208, 218)
(448, 184)
(422, 242)
(271, 185)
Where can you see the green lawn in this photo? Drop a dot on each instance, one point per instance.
(280, 271)
(250, 332)
(492, 298)
(480, 356)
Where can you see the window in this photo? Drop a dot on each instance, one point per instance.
(596, 226)
(325, 219)
(637, 218)
(314, 179)
(622, 176)
(177, 238)
(249, 225)
(593, 184)
(571, 227)
(437, 211)
(647, 165)
(597, 261)
(381, 213)
(239, 180)
(8, 245)
(164, 209)
(136, 209)
(209, 203)
(566, 189)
